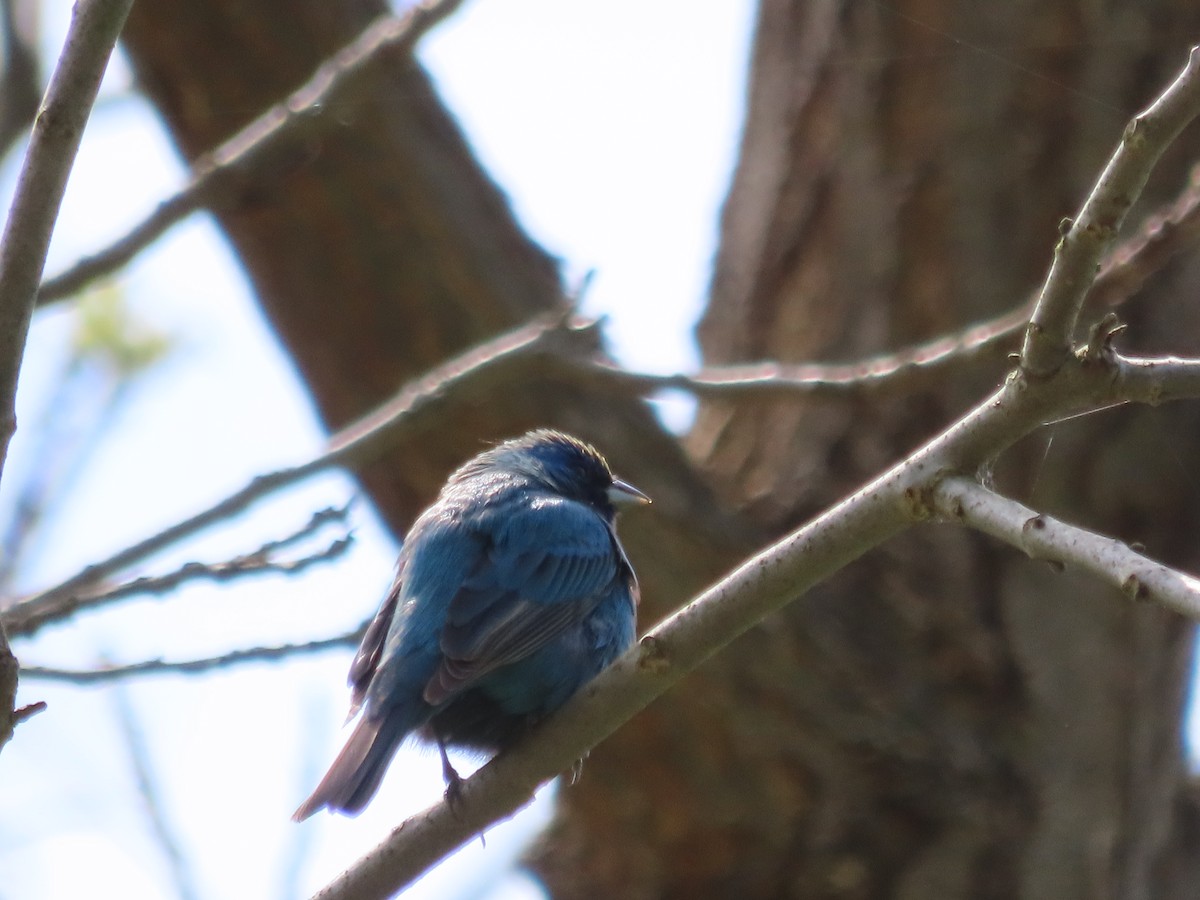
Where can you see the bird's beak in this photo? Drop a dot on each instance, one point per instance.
(622, 493)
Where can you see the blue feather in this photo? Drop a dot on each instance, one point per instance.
(511, 592)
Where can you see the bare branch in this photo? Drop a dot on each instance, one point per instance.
(8, 690)
(256, 562)
(1161, 236)
(1043, 537)
(109, 674)
(1164, 234)
(1044, 389)
(160, 825)
(20, 89)
(546, 346)
(315, 523)
(57, 132)
(417, 406)
(776, 576)
(217, 170)
(230, 570)
(1155, 380)
(28, 711)
(1084, 242)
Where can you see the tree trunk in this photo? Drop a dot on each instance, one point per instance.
(944, 719)
(378, 248)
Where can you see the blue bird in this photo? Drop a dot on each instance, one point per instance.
(511, 592)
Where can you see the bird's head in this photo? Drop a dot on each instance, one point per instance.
(567, 466)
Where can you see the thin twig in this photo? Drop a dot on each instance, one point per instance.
(20, 83)
(8, 689)
(219, 573)
(1084, 242)
(1162, 235)
(416, 407)
(553, 344)
(1041, 536)
(53, 144)
(108, 674)
(315, 523)
(216, 170)
(898, 498)
(1165, 233)
(256, 562)
(905, 494)
(156, 816)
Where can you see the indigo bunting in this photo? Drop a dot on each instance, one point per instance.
(511, 592)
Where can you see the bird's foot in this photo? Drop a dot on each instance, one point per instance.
(577, 769)
(454, 781)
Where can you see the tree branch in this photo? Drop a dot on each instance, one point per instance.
(217, 171)
(1050, 384)
(156, 815)
(1084, 242)
(193, 666)
(53, 144)
(57, 131)
(551, 345)
(1161, 236)
(8, 690)
(900, 497)
(416, 407)
(20, 88)
(239, 567)
(1040, 536)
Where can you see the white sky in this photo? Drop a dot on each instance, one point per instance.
(644, 101)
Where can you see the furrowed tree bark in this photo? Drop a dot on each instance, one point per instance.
(378, 247)
(945, 719)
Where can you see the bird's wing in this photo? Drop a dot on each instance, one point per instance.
(370, 649)
(546, 565)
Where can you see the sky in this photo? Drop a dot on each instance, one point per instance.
(646, 103)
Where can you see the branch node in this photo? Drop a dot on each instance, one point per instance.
(1135, 135)
(1100, 337)
(918, 502)
(28, 711)
(1034, 523)
(1136, 589)
(653, 656)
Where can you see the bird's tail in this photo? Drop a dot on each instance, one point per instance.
(355, 775)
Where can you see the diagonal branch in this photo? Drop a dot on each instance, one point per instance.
(57, 132)
(109, 674)
(8, 689)
(20, 79)
(1040, 536)
(900, 497)
(217, 170)
(40, 185)
(160, 825)
(547, 346)
(1084, 242)
(1051, 383)
(254, 563)
(416, 407)
(1162, 235)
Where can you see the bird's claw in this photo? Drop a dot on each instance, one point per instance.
(454, 781)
